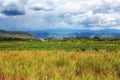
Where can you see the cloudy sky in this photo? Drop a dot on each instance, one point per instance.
(68, 14)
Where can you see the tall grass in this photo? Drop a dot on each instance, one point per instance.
(59, 65)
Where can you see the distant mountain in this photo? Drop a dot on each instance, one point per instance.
(73, 33)
(60, 34)
(15, 35)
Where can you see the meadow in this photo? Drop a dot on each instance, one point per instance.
(67, 44)
(60, 60)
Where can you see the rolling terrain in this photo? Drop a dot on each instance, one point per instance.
(14, 35)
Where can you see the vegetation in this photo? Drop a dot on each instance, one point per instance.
(67, 45)
(59, 65)
(70, 59)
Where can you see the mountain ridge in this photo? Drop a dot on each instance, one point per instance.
(68, 33)
(60, 34)
(4, 34)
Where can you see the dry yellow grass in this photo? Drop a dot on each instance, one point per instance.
(59, 65)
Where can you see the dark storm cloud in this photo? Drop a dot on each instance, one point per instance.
(13, 10)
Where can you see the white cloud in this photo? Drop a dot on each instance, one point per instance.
(2, 16)
(83, 14)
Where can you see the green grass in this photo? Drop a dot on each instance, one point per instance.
(60, 45)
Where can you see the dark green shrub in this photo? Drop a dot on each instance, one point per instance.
(83, 49)
(96, 49)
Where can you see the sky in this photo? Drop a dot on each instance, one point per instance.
(56, 14)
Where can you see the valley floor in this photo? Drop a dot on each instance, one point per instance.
(83, 59)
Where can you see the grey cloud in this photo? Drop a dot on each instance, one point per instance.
(107, 8)
(37, 8)
(24, 1)
(13, 10)
(40, 9)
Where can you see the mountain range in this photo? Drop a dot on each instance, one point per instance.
(60, 34)
(73, 33)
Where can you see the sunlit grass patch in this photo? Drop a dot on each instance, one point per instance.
(59, 65)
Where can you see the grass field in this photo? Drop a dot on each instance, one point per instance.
(60, 60)
(68, 45)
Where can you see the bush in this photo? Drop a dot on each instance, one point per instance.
(83, 49)
(96, 49)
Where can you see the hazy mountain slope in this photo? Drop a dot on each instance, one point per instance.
(68, 33)
(15, 34)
